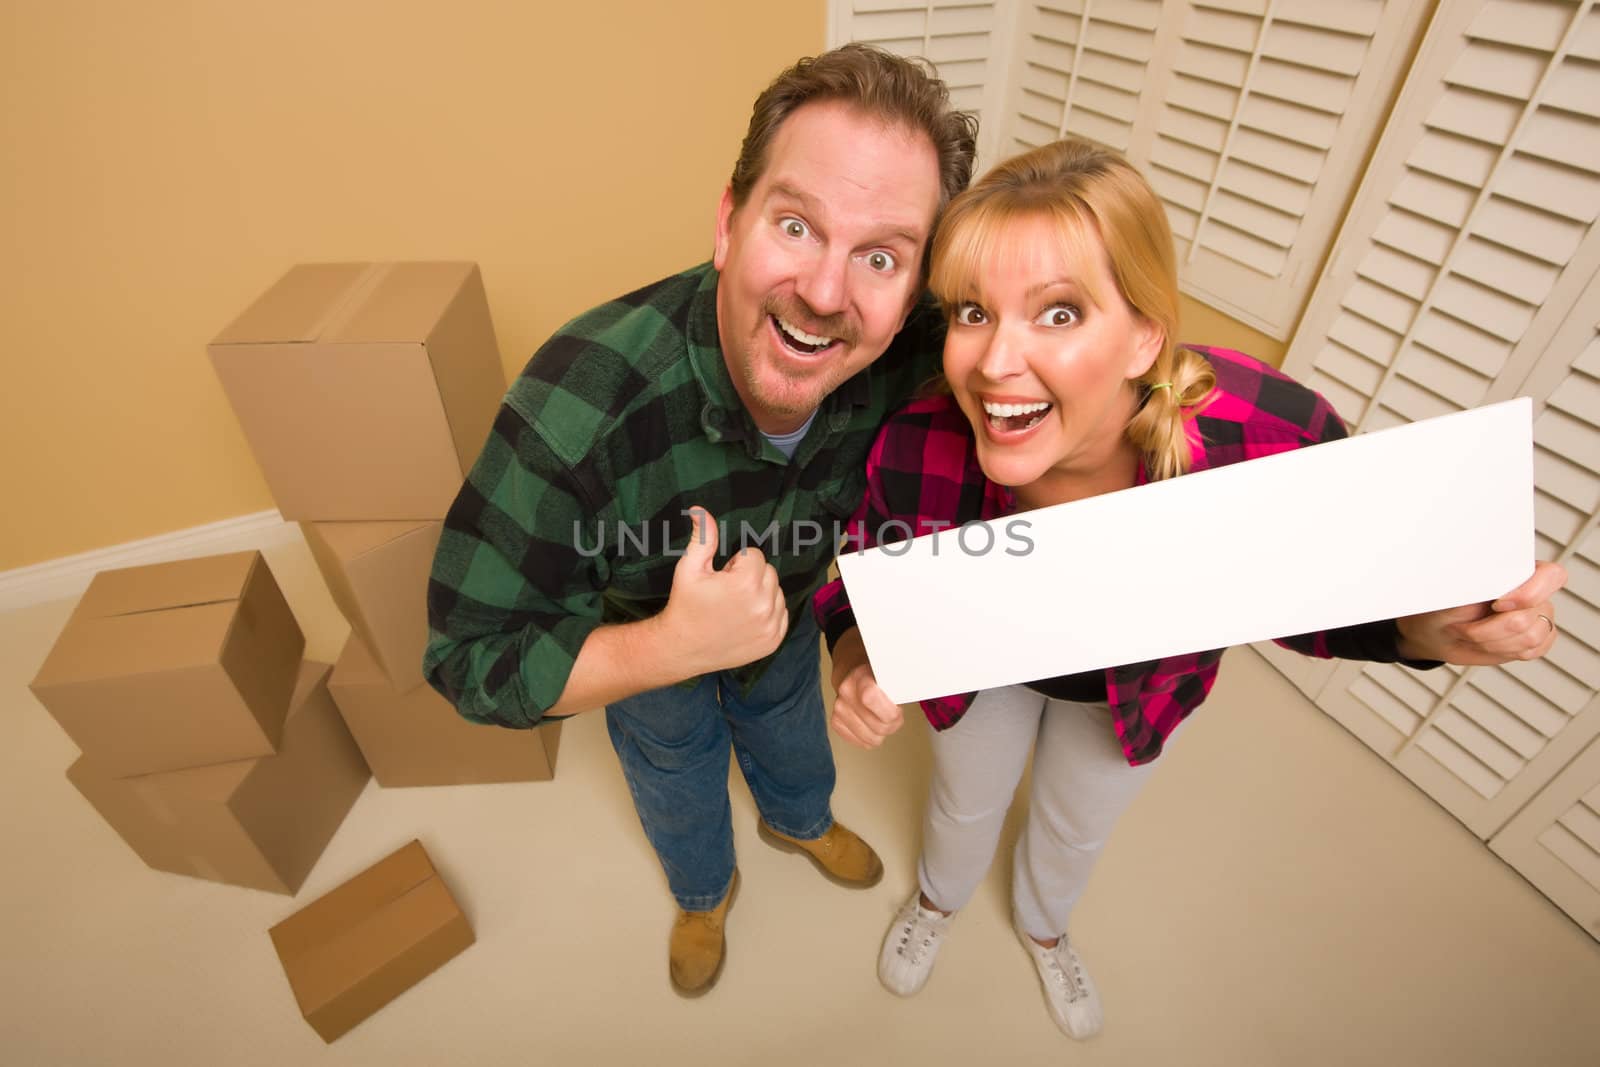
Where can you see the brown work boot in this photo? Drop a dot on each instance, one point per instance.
(697, 948)
(839, 854)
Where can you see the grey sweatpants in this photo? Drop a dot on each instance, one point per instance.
(1081, 783)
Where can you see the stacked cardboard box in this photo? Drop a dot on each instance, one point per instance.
(366, 392)
(207, 743)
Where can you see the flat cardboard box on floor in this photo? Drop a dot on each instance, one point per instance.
(260, 823)
(175, 665)
(354, 950)
(366, 390)
(417, 738)
(378, 575)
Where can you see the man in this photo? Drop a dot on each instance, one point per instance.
(723, 413)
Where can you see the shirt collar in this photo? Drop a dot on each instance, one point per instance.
(722, 415)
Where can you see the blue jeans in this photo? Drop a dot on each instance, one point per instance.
(674, 742)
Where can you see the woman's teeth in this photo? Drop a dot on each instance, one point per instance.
(800, 339)
(1007, 410)
(1015, 416)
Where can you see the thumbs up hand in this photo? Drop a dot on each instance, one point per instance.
(727, 618)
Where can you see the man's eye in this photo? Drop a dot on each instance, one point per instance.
(970, 315)
(882, 262)
(795, 228)
(1059, 315)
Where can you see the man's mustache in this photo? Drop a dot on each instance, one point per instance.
(796, 313)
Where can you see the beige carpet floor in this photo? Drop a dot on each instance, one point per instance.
(1277, 895)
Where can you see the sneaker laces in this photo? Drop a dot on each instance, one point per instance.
(920, 933)
(1067, 970)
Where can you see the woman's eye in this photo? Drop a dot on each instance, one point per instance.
(1059, 315)
(882, 262)
(970, 315)
(795, 228)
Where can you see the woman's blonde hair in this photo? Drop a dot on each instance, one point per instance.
(1086, 190)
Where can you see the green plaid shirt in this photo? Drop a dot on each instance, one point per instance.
(574, 514)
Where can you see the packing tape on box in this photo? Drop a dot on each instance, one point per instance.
(343, 309)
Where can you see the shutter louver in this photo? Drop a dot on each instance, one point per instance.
(1081, 67)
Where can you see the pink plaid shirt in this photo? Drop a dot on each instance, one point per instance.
(923, 476)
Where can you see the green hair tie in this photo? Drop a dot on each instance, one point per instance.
(1159, 385)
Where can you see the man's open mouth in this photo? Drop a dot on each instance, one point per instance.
(1009, 418)
(798, 340)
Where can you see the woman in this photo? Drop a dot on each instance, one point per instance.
(1058, 278)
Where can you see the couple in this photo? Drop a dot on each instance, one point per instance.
(752, 393)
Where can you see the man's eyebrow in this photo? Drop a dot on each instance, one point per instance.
(784, 189)
(813, 207)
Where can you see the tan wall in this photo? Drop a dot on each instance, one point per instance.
(166, 161)
(166, 164)
(1202, 324)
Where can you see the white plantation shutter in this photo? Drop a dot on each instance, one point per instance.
(1555, 841)
(1268, 109)
(968, 42)
(1081, 67)
(1475, 224)
(1250, 117)
(1468, 271)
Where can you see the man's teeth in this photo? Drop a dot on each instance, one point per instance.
(1007, 411)
(804, 338)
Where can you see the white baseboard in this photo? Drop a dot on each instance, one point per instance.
(61, 579)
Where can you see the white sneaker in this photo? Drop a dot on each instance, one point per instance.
(910, 946)
(1069, 992)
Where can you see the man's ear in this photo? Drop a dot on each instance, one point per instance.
(1149, 338)
(719, 255)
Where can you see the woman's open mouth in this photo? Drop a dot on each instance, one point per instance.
(1015, 418)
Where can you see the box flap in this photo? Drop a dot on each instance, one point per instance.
(299, 305)
(137, 644)
(159, 586)
(403, 305)
(352, 540)
(328, 916)
(466, 365)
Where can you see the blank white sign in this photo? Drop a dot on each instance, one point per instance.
(1414, 518)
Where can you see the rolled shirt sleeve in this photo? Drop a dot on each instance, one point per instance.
(512, 596)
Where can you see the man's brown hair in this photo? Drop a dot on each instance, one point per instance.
(901, 91)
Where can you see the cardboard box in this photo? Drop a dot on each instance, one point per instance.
(378, 574)
(366, 390)
(417, 738)
(175, 665)
(261, 822)
(354, 950)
